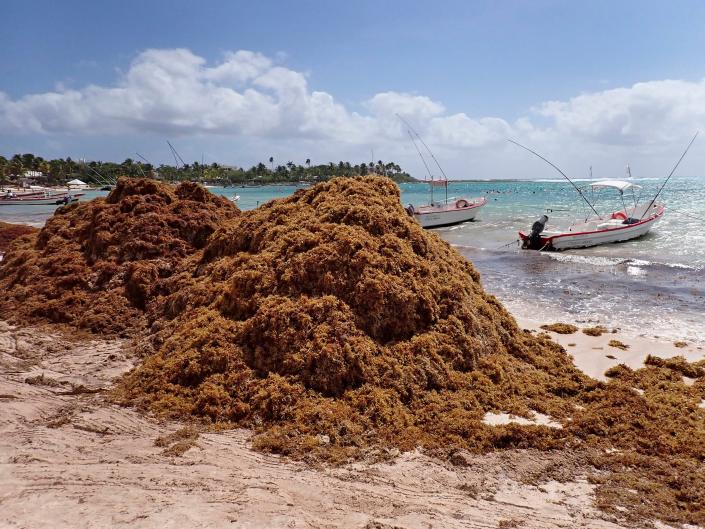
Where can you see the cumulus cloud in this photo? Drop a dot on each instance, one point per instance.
(175, 91)
(654, 112)
(169, 92)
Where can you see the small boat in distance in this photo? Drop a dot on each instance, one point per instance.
(624, 225)
(446, 212)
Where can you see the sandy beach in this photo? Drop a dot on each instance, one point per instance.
(70, 459)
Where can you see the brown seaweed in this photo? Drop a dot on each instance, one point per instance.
(10, 232)
(97, 265)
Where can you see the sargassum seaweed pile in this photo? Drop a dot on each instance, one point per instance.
(335, 327)
(98, 264)
(10, 232)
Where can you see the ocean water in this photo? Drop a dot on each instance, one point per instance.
(653, 286)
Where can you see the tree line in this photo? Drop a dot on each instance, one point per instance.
(59, 171)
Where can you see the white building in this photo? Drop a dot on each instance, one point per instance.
(77, 184)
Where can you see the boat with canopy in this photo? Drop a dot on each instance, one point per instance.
(631, 222)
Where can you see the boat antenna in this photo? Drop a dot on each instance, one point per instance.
(562, 173)
(670, 175)
(424, 144)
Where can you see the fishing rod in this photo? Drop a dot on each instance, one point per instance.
(420, 155)
(145, 159)
(173, 153)
(562, 173)
(424, 144)
(432, 156)
(670, 175)
(101, 179)
(176, 154)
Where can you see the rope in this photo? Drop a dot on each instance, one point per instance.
(508, 244)
(701, 219)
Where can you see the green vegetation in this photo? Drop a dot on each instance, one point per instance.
(59, 171)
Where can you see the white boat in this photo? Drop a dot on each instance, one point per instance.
(629, 223)
(449, 212)
(624, 225)
(235, 198)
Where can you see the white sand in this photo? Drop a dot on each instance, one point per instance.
(496, 419)
(592, 354)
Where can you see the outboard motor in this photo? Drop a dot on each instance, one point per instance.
(534, 240)
(410, 210)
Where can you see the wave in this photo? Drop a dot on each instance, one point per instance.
(598, 260)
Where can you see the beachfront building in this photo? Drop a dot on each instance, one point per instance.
(76, 184)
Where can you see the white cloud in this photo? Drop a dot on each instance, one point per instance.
(654, 112)
(175, 91)
(247, 95)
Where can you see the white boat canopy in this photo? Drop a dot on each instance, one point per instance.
(616, 184)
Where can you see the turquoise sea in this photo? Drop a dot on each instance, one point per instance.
(653, 286)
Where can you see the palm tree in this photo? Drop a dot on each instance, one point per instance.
(271, 162)
(308, 163)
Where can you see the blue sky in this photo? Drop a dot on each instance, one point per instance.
(476, 61)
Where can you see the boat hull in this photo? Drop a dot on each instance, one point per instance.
(430, 217)
(587, 239)
(57, 200)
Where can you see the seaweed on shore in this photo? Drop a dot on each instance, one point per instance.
(335, 327)
(332, 314)
(595, 331)
(560, 328)
(97, 265)
(10, 232)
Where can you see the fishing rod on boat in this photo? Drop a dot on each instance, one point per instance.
(101, 179)
(424, 144)
(176, 155)
(562, 173)
(670, 175)
(145, 159)
(428, 170)
(429, 152)
(420, 155)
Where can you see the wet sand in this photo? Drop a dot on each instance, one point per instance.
(68, 458)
